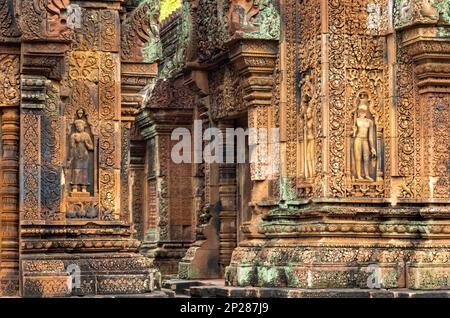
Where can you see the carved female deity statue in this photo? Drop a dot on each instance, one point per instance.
(80, 145)
(309, 139)
(364, 143)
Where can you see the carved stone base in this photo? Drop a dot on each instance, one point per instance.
(9, 286)
(200, 262)
(344, 246)
(166, 257)
(88, 274)
(284, 263)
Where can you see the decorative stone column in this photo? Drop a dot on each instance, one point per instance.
(9, 151)
(9, 255)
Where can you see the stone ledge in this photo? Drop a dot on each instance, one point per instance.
(255, 292)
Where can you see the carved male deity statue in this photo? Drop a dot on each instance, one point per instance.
(80, 145)
(309, 138)
(364, 148)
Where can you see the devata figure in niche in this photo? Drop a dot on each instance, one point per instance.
(309, 139)
(80, 145)
(364, 143)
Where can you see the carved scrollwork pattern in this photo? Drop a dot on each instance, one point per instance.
(51, 147)
(10, 79)
(210, 30)
(31, 173)
(8, 22)
(407, 147)
(42, 19)
(356, 58)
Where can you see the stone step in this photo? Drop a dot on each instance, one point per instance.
(256, 292)
(180, 286)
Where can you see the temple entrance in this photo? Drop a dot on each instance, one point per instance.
(234, 190)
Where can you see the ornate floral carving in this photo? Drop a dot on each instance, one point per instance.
(10, 79)
(41, 19)
(84, 66)
(8, 23)
(210, 29)
(252, 19)
(140, 33)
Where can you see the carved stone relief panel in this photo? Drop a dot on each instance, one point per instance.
(10, 79)
(359, 103)
(8, 22)
(42, 19)
(408, 12)
(252, 19)
(71, 129)
(227, 93)
(305, 102)
(98, 31)
(210, 29)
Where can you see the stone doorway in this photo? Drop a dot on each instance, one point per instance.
(234, 192)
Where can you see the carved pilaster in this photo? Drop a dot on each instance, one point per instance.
(423, 40)
(9, 217)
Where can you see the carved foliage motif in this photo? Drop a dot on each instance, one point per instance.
(227, 92)
(31, 176)
(8, 23)
(170, 94)
(10, 79)
(210, 29)
(292, 29)
(51, 146)
(356, 63)
(125, 172)
(407, 147)
(84, 66)
(254, 19)
(439, 147)
(140, 33)
(41, 19)
(98, 31)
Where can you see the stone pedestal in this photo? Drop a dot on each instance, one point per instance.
(62, 275)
